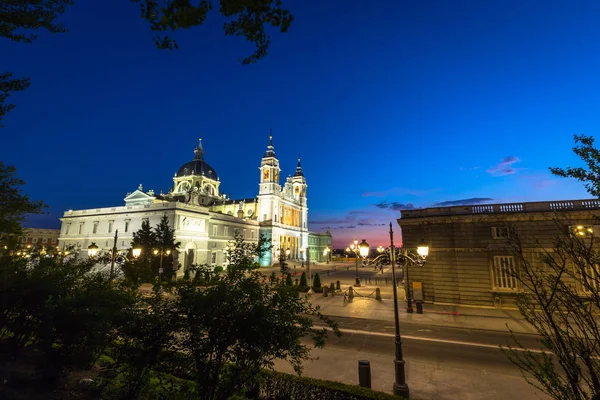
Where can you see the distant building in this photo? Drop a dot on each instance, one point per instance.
(34, 238)
(204, 218)
(470, 261)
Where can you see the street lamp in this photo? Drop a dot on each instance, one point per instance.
(92, 250)
(162, 252)
(136, 252)
(400, 387)
(302, 255)
(326, 254)
(419, 260)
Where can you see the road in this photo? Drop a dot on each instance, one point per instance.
(442, 362)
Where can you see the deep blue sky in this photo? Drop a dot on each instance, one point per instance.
(389, 102)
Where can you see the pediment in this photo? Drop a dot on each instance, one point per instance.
(138, 197)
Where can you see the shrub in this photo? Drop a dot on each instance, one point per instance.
(288, 280)
(303, 281)
(218, 270)
(285, 386)
(317, 282)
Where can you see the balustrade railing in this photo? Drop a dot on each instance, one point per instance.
(538, 206)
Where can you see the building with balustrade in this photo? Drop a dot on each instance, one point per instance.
(471, 261)
(203, 218)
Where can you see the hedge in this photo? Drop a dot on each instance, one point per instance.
(282, 386)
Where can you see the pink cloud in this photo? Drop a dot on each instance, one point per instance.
(505, 167)
(399, 191)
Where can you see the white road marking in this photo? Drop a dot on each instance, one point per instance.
(426, 339)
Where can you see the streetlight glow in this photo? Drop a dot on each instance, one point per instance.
(364, 248)
(92, 250)
(136, 252)
(423, 249)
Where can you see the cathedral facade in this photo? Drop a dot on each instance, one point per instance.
(204, 219)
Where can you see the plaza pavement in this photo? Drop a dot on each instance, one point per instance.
(365, 306)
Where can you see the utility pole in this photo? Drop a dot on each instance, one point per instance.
(114, 254)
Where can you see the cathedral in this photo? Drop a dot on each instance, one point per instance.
(205, 219)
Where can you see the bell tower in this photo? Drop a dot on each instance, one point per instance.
(269, 171)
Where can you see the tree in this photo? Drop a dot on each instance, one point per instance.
(160, 240)
(239, 326)
(165, 241)
(248, 19)
(303, 281)
(590, 176)
(243, 255)
(59, 308)
(317, 283)
(14, 205)
(559, 297)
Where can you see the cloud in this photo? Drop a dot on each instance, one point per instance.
(399, 191)
(505, 167)
(469, 168)
(396, 206)
(464, 202)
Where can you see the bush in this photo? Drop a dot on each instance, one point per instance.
(317, 283)
(285, 386)
(303, 281)
(288, 280)
(218, 270)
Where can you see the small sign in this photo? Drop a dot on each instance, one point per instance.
(160, 270)
(417, 289)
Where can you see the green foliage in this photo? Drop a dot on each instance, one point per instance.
(589, 175)
(59, 308)
(147, 337)
(218, 269)
(288, 280)
(303, 281)
(14, 205)
(191, 342)
(317, 282)
(559, 298)
(160, 239)
(19, 15)
(248, 19)
(277, 385)
(244, 255)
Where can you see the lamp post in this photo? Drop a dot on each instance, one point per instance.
(423, 252)
(400, 387)
(92, 250)
(326, 254)
(162, 252)
(363, 250)
(302, 255)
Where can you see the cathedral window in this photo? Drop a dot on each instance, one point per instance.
(127, 226)
(81, 227)
(95, 229)
(67, 229)
(110, 226)
(215, 230)
(225, 231)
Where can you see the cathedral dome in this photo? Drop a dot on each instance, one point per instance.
(198, 166)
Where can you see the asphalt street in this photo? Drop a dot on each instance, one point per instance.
(442, 362)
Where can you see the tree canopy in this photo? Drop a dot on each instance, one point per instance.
(14, 205)
(19, 19)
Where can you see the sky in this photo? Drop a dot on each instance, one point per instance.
(390, 104)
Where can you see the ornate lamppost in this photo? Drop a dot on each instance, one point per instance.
(162, 252)
(361, 249)
(400, 387)
(302, 255)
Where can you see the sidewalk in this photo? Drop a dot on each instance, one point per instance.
(433, 315)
